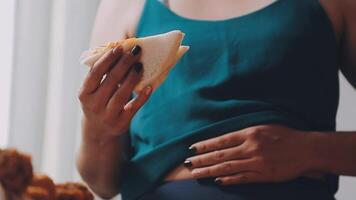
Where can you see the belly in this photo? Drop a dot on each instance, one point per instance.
(178, 173)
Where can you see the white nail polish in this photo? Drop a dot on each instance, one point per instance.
(128, 106)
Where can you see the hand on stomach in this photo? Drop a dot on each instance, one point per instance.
(267, 153)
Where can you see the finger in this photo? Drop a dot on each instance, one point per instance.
(240, 178)
(116, 75)
(216, 157)
(100, 68)
(223, 169)
(217, 143)
(122, 94)
(135, 104)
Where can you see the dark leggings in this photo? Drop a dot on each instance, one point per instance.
(300, 189)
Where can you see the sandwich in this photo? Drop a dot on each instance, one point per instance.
(159, 54)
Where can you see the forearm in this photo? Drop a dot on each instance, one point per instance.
(100, 161)
(334, 152)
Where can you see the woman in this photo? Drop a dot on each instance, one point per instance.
(248, 113)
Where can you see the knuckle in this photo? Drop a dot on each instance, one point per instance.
(255, 134)
(227, 167)
(203, 147)
(222, 141)
(113, 77)
(255, 148)
(96, 107)
(199, 173)
(219, 155)
(207, 172)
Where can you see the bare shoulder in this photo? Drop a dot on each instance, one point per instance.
(342, 12)
(116, 19)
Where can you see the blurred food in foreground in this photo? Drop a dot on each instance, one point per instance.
(18, 182)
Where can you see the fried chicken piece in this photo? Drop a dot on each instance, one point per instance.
(73, 191)
(37, 193)
(15, 171)
(46, 183)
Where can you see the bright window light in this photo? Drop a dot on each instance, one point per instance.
(7, 15)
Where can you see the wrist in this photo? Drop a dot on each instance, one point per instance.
(317, 151)
(94, 135)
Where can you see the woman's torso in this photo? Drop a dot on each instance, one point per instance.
(230, 10)
(223, 10)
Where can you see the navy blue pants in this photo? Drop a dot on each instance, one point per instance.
(206, 189)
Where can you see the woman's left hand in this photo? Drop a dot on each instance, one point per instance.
(266, 153)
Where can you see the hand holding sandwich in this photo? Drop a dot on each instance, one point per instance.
(137, 65)
(106, 91)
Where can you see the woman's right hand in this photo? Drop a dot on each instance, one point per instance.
(106, 91)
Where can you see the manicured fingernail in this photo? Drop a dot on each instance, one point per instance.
(136, 50)
(218, 181)
(148, 90)
(138, 67)
(128, 106)
(192, 150)
(188, 164)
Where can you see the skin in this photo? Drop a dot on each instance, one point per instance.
(255, 154)
(107, 115)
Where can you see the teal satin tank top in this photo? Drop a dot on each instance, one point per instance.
(275, 65)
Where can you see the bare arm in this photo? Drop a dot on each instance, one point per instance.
(106, 115)
(338, 150)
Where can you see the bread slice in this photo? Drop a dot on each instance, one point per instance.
(159, 55)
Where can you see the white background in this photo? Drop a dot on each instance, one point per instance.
(6, 47)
